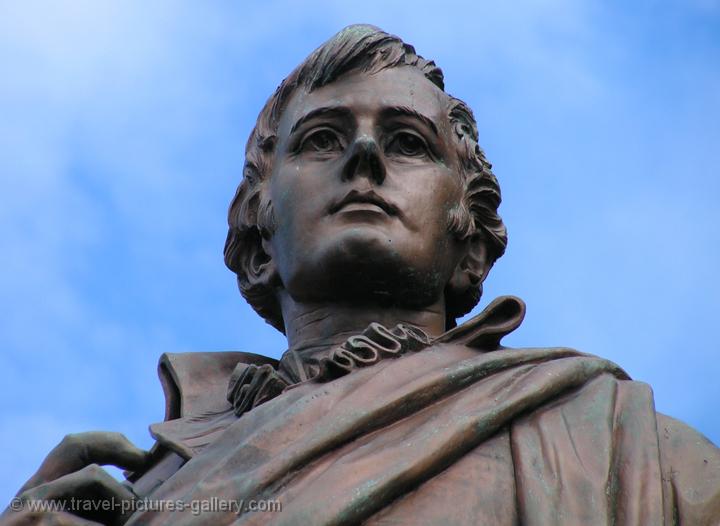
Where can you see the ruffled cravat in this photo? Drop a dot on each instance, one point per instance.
(252, 385)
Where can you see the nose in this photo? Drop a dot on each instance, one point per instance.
(364, 160)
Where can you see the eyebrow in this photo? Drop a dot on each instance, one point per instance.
(404, 111)
(326, 112)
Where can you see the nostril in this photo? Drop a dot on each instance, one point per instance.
(364, 159)
(351, 167)
(377, 168)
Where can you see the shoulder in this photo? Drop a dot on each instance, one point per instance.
(197, 381)
(196, 410)
(196, 405)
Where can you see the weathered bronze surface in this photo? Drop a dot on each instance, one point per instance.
(364, 226)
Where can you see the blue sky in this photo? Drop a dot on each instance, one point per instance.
(122, 130)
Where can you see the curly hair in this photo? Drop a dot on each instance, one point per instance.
(368, 49)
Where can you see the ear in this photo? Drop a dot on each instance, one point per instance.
(260, 269)
(473, 267)
(464, 289)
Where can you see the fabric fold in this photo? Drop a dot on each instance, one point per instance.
(343, 451)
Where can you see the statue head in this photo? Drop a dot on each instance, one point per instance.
(363, 179)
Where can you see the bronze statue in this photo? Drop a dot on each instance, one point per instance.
(364, 226)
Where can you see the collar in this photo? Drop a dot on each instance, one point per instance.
(196, 390)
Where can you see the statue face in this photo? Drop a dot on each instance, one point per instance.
(364, 178)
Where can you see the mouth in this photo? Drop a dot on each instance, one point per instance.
(356, 201)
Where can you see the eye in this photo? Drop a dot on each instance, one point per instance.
(322, 141)
(408, 145)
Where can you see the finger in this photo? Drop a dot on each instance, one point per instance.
(104, 447)
(258, 379)
(95, 494)
(91, 481)
(82, 449)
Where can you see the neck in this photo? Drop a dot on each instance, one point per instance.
(320, 325)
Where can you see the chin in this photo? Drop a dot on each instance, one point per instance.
(366, 263)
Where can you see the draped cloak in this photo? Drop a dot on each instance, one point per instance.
(463, 432)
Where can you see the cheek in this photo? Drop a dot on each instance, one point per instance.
(297, 201)
(280, 193)
(300, 191)
(443, 195)
(438, 208)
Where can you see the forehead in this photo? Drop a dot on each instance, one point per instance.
(370, 94)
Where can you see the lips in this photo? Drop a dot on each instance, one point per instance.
(356, 200)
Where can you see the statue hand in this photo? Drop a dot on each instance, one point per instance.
(70, 488)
